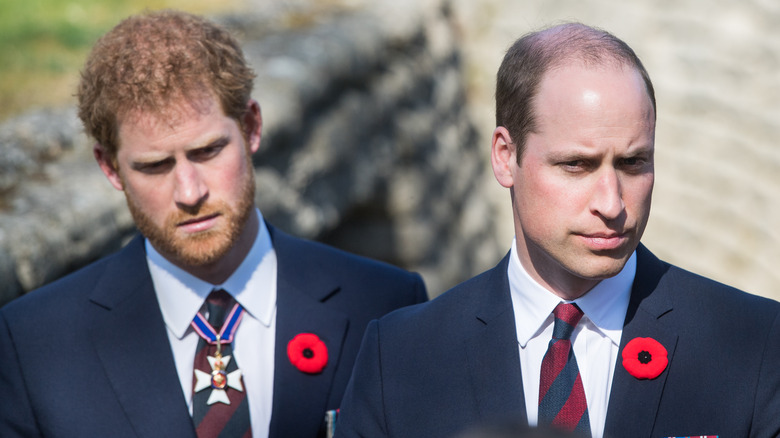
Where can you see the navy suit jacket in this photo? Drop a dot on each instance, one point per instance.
(88, 355)
(434, 369)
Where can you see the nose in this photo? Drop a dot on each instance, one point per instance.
(607, 196)
(190, 188)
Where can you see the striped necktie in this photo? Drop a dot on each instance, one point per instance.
(219, 403)
(562, 401)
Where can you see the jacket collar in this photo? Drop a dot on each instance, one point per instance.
(492, 339)
(633, 403)
(131, 343)
(303, 286)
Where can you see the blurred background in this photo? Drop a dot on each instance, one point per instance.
(378, 117)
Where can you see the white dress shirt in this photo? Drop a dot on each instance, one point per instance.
(596, 339)
(253, 285)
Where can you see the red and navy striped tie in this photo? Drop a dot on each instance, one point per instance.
(561, 394)
(219, 419)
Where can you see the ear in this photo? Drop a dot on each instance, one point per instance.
(253, 123)
(503, 156)
(108, 165)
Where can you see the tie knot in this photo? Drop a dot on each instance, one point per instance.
(567, 316)
(219, 297)
(218, 304)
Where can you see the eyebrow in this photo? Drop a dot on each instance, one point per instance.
(142, 164)
(585, 153)
(219, 141)
(222, 140)
(572, 154)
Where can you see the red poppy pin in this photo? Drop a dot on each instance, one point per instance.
(308, 353)
(644, 358)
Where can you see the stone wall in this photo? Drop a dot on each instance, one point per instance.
(378, 116)
(367, 145)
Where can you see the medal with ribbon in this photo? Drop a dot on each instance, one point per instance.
(219, 380)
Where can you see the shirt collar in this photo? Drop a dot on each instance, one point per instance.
(181, 294)
(604, 306)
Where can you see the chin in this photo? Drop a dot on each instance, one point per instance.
(204, 254)
(607, 270)
(197, 250)
(599, 267)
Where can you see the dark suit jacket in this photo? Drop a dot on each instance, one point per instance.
(432, 370)
(88, 356)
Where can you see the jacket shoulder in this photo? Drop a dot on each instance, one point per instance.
(661, 284)
(482, 296)
(294, 253)
(75, 286)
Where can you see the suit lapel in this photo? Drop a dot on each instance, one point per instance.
(301, 290)
(494, 363)
(492, 350)
(129, 337)
(633, 403)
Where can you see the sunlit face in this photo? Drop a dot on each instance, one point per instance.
(582, 191)
(188, 181)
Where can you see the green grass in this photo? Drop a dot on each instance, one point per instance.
(43, 43)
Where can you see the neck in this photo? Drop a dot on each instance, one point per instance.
(568, 288)
(570, 292)
(546, 271)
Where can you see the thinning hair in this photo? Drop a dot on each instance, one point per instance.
(536, 53)
(150, 61)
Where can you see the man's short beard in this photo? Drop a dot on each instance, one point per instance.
(204, 248)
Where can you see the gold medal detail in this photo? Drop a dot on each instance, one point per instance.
(218, 380)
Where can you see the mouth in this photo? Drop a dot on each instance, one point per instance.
(198, 224)
(605, 241)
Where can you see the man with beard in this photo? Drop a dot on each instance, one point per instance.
(212, 322)
(579, 327)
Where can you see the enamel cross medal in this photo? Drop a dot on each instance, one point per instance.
(219, 379)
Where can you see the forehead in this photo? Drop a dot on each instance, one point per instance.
(182, 120)
(171, 113)
(602, 95)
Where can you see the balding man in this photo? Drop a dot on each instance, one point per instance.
(580, 326)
